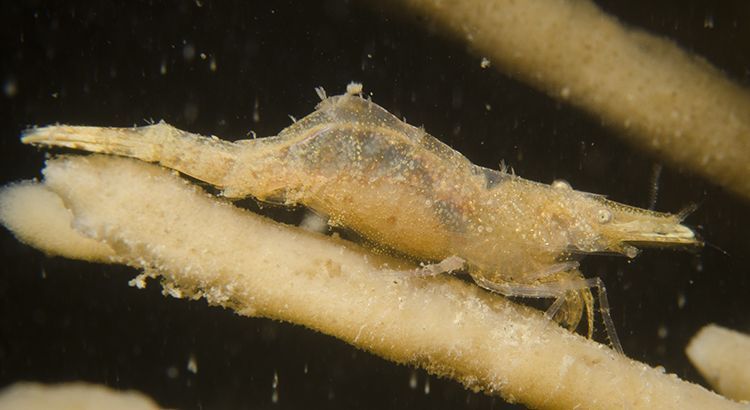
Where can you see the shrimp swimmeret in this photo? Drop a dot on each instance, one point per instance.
(399, 187)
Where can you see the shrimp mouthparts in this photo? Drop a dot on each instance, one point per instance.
(647, 234)
(644, 228)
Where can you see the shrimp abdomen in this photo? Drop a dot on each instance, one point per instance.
(204, 158)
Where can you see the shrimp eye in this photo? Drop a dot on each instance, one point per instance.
(603, 216)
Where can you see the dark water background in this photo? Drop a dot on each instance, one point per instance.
(229, 67)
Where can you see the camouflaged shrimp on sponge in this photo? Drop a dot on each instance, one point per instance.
(399, 187)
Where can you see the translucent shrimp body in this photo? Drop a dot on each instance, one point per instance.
(399, 187)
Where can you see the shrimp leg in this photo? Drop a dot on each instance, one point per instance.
(560, 290)
(448, 265)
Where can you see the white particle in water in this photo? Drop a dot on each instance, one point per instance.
(172, 372)
(662, 332)
(10, 88)
(708, 22)
(188, 52)
(275, 386)
(191, 112)
(192, 364)
(256, 110)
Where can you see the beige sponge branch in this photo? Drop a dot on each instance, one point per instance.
(723, 357)
(38, 217)
(202, 247)
(667, 101)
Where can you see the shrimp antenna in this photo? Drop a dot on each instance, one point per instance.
(654, 193)
(716, 247)
(686, 211)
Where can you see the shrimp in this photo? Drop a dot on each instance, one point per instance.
(401, 188)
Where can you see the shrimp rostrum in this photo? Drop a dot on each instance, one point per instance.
(401, 188)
